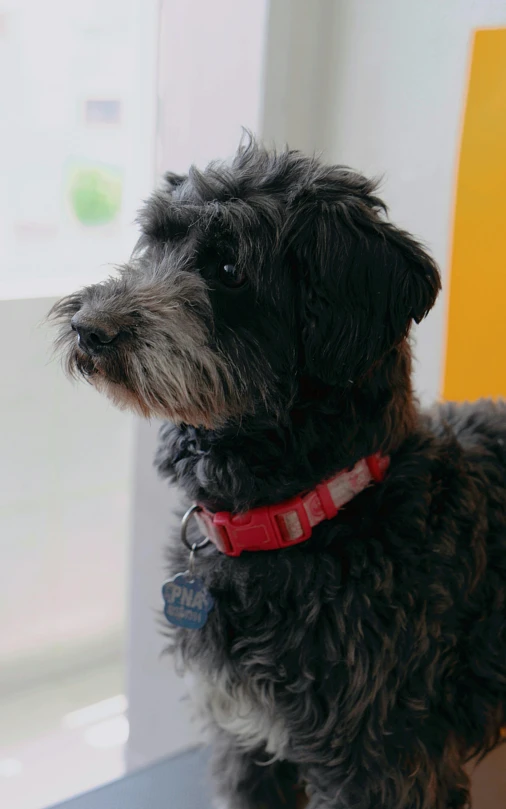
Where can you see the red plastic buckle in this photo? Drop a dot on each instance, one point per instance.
(260, 529)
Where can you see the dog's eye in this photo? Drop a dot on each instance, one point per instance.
(231, 276)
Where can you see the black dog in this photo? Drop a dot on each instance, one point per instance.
(265, 313)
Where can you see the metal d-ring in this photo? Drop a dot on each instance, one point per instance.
(195, 546)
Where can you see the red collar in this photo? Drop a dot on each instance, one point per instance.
(272, 527)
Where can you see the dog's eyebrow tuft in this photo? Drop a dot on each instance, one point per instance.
(163, 219)
(216, 183)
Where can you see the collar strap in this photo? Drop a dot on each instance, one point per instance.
(278, 526)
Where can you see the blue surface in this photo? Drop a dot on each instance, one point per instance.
(176, 783)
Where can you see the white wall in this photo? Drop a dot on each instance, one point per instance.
(65, 462)
(210, 78)
(296, 73)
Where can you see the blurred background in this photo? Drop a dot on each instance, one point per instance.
(97, 97)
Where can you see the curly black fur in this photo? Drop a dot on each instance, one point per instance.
(368, 663)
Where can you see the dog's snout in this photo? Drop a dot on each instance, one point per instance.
(92, 338)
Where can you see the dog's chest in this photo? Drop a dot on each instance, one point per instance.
(246, 713)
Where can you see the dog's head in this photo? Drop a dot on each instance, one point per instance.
(249, 279)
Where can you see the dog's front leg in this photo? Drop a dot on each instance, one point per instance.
(246, 779)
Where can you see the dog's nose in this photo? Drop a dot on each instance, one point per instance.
(92, 338)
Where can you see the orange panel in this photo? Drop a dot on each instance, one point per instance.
(476, 342)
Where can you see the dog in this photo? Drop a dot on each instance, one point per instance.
(349, 638)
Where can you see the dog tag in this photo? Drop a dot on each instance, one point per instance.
(187, 601)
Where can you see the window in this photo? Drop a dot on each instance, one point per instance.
(77, 98)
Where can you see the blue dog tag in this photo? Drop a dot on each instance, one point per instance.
(187, 602)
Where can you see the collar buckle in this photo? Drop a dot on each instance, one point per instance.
(260, 529)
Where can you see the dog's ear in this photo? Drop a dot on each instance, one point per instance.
(362, 281)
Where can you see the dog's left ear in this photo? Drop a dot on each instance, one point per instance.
(362, 281)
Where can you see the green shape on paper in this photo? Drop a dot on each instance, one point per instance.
(95, 195)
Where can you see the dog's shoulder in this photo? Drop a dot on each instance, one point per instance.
(479, 427)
